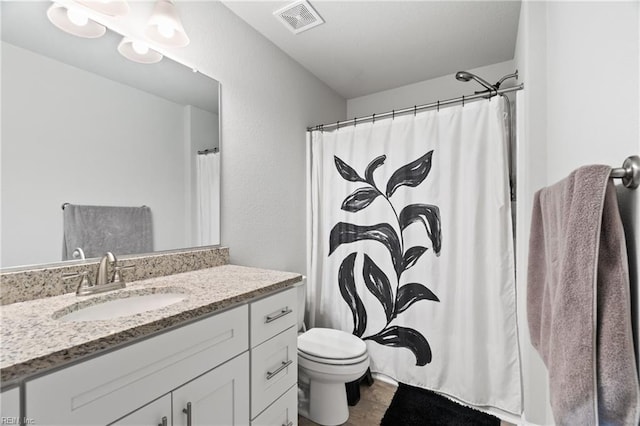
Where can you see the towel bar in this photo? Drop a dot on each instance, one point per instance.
(66, 204)
(629, 172)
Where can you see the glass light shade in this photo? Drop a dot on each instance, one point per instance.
(77, 17)
(165, 27)
(138, 51)
(107, 7)
(140, 48)
(64, 19)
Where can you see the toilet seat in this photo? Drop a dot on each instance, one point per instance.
(334, 347)
(330, 361)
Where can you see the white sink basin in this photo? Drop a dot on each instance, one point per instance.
(121, 307)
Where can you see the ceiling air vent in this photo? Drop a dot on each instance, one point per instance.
(299, 16)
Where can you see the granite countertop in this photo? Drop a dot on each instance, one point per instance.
(33, 341)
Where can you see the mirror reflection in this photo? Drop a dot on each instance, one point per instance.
(83, 125)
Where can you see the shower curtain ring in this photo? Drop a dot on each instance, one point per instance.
(338, 125)
(374, 118)
(355, 120)
(438, 107)
(415, 107)
(393, 114)
(462, 100)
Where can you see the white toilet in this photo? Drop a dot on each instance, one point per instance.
(327, 359)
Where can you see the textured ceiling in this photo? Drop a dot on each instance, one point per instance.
(368, 46)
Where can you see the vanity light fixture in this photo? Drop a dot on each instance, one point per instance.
(138, 51)
(165, 27)
(74, 21)
(107, 7)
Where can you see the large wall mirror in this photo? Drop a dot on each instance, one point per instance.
(81, 124)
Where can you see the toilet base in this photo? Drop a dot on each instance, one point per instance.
(328, 403)
(326, 373)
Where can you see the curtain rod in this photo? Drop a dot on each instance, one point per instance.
(208, 151)
(416, 108)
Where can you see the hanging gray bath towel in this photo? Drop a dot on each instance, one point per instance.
(99, 229)
(578, 302)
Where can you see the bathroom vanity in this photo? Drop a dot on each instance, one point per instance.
(225, 354)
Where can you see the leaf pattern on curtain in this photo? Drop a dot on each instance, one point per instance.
(375, 279)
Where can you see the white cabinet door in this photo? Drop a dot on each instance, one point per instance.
(10, 405)
(157, 413)
(219, 397)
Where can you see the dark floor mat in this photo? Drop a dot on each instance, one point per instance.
(415, 406)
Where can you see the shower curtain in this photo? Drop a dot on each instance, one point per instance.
(208, 199)
(410, 247)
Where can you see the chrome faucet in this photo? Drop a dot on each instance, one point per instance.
(103, 270)
(105, 280)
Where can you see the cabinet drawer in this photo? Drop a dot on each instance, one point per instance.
(273, 315)
(274, 369)
(105, 388)
(282, 412)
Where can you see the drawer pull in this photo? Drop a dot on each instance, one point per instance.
(164, 421)
(283, 312)
(187, 411)
(284, 365)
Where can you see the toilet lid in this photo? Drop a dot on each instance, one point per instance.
(331, 344)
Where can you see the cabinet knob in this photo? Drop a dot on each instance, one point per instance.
(187, 411)
(164, 421)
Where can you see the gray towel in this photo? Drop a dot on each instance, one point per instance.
(99, 229)
(578, 302)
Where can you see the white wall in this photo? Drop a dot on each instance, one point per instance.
(592, 84)
(530, 58)
(427, 91)
(268, 100)
(580, 65)
(100, 146)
